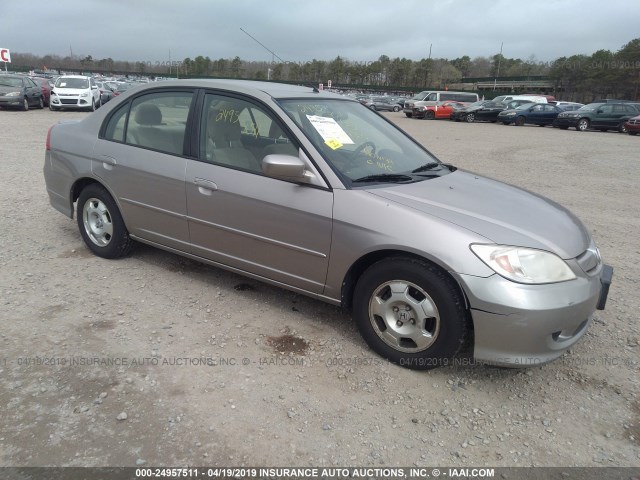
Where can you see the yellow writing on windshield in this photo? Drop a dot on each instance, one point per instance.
(383, 163)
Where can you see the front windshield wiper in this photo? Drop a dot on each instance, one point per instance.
(385, 177)
(425, 167)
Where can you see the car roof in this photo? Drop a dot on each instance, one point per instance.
(275, 90)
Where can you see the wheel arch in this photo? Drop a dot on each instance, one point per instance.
(81, 183)
(360, 265)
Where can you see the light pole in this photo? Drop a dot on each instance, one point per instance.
(495, 79)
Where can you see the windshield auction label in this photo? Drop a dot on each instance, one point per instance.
(332, 133)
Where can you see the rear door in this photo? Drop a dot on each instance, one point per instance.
(34, 92)
(139, 157)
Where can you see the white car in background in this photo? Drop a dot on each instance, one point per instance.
(75, 91)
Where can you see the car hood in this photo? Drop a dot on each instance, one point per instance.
(502, 213)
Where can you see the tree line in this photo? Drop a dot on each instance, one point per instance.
(604, 74)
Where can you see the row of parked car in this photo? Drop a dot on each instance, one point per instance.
(60, 92)
(620, 115)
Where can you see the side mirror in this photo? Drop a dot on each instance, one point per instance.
(285, 167)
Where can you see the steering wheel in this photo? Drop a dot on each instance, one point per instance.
(360, 148)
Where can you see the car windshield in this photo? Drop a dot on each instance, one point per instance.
(419, 96)
(359, 144)
(525, 106)
(11, 81)
(477, 104)
(63, 82)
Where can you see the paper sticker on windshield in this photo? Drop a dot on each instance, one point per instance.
(329, 130)
(333, 143)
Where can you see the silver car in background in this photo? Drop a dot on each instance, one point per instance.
(316, 193)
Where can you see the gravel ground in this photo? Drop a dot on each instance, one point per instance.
(101, 361)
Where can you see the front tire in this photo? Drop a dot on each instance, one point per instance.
(396, 109)
(470, 118)
(40, 103)
(101, 224)
(582, 125)
(519, 121)
(25, 104)
(410, 312)
(429, 115)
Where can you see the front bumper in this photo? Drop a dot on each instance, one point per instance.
(519, 325)
(504, 118)
(565, 122)
(71, 101)
(11, 101)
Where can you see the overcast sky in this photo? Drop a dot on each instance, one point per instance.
(302, 30)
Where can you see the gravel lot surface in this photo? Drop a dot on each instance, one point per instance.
(101, 362)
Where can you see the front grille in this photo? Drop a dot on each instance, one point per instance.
(68, 101)
(589, 260)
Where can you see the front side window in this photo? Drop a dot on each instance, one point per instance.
(359, 145)
(239, 134)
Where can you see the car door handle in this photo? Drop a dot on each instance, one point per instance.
(205, 187)
(107, 162)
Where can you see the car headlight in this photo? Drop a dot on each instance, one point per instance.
(85, 94)
(509, 114)
(13, 94)
(524, 265)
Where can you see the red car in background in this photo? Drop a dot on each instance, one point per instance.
(438, 110)
(46, 88)
(633, 125)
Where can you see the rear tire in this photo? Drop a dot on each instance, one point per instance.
(409, 115)
(410, 312)
(40, 103)
(101, 224)
(622, 128)
(396, 108)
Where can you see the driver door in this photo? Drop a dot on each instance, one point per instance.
(243, 219)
